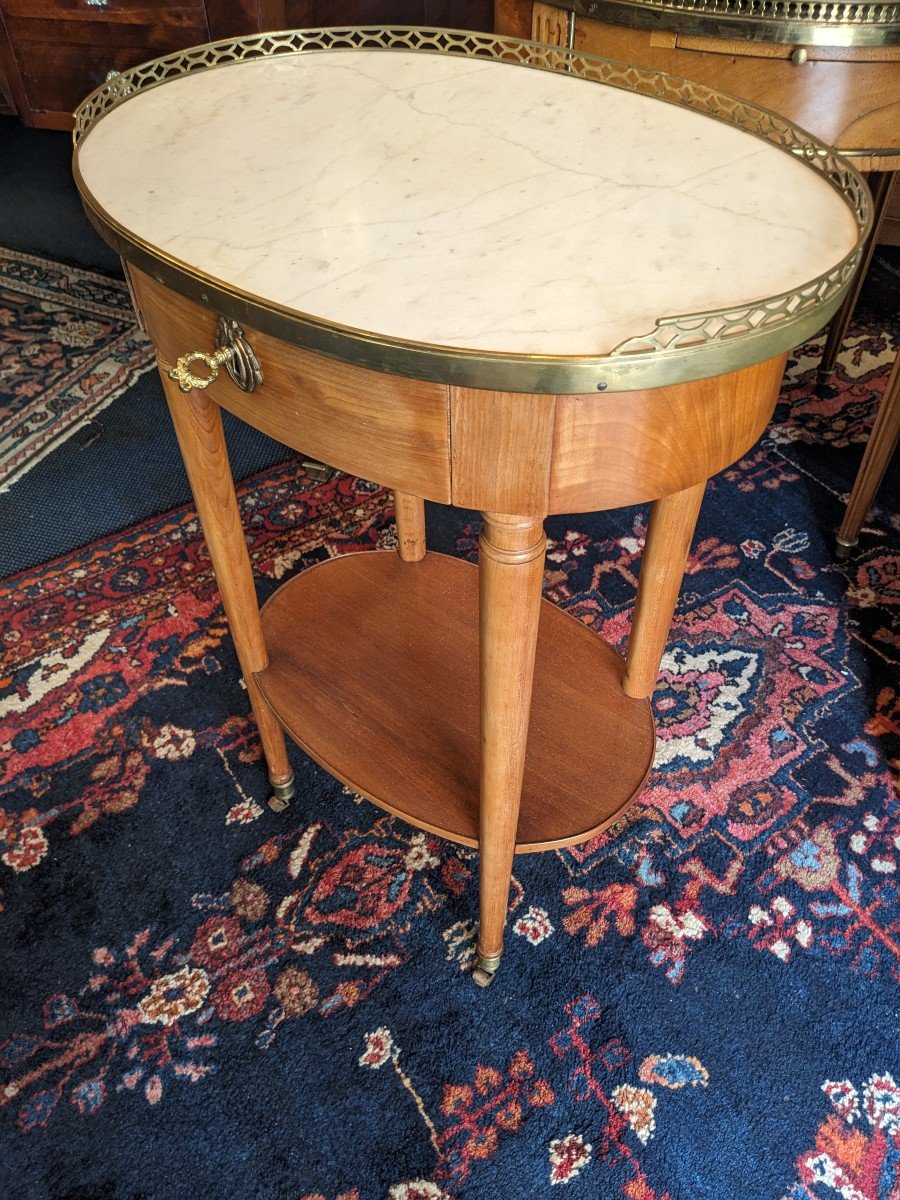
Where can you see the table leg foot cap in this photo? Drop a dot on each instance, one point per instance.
(282, 794)
(842, 550)
(486, 969)
(824, 384)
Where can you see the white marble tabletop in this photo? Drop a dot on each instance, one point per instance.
(460, 202)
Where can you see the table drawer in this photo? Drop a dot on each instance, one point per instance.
(380, 427)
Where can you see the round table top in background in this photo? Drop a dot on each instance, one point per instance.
(786, 22)
(441, 201)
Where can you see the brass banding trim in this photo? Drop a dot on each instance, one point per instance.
(786, 22)
(680, 348)
(884, 152)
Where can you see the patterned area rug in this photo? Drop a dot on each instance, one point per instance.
(69, 345)
(205, 999)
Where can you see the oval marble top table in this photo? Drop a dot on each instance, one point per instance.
(523, 291)
(436, 200)
(415, 207)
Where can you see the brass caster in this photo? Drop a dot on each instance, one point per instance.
(823, 384)
(484, 972)
(843, 550)
(319, 471)
(281, 797)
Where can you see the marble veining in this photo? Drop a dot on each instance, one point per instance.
(460, 202)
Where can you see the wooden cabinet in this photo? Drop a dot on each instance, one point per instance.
(53, 52)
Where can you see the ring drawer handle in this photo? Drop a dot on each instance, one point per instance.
(233, 351)
(187, 380)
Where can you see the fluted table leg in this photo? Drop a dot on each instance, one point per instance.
(511, 561)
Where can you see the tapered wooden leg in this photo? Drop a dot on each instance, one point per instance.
(669, 533)
(881, 445)
(880, 184)
(511, 562)
(410, 514)
(198, 425)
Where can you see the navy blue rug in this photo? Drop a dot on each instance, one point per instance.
(86, 444)
(201, 998)
(69, 345)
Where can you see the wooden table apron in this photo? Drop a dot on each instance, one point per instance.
(376, 674)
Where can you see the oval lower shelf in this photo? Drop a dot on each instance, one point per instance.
(373, 671)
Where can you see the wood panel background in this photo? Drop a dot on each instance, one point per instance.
(53, 52)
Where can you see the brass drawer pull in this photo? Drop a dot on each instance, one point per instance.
(233, 351)
(185, 378)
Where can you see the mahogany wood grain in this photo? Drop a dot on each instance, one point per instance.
(410, 514)
(54, 52)
(373, 670)
(455, 14)
(236, 18)
(111, 12)
(460, 14)
(879, 449)
(513, 18)
(381, 427)
(299, 14)
(669, 533)
(511, 554)
(501, 448)
(198, 426)
(57, 52)
(626, 448)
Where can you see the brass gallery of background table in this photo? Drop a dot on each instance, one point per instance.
(410, 676)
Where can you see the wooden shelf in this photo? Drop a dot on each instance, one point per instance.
(373, 670)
